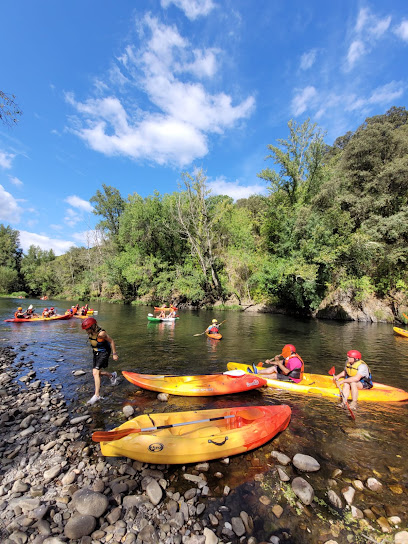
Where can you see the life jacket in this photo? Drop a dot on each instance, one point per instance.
(213, 329)
(99, 345)
(19, 315)
(351, 370)
(297, 373)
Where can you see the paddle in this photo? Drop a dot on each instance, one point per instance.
(332, 372)
(405, 315)
(107, 436)
(201, 333)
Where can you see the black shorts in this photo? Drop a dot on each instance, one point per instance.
(100, 359)
(283, 378)
(366, 385)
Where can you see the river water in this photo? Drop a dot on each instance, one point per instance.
(374, 445)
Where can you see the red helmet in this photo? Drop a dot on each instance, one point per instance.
(45, 309)
(88, 322)
(354, 353)
(287, 350)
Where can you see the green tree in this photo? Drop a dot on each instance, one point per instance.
(109, 204)
(32, 271)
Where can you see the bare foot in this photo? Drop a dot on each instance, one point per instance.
(353, 405)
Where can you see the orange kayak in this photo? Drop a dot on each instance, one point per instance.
(36, 319)
(196, 436)
(196, 386)
(214, 336)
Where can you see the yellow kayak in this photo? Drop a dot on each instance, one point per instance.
(194, 436)
(401, 332)
(319, 384)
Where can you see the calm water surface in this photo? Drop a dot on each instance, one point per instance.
(376, 441)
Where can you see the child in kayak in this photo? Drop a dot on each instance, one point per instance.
(102, 345)
(356, 375)
(214, 327)
(287, 366)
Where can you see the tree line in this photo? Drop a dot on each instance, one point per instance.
(334, 217)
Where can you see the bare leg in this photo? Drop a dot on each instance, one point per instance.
(97, 379)
(355, 386)
(346, 391)
(272, 372)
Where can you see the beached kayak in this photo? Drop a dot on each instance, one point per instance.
(36, 319)
(214, 336)
(195, 436)
(159, 319)
(196, 386)
(401, 332)
(319, 384)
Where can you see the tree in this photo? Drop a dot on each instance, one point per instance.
(110, 206)
(300, 159)
(9, 110)
(199, 226)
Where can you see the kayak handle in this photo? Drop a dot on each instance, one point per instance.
(218, 443)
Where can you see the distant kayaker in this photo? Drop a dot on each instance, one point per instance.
(287, 366)
(19, 314)
(30, 312)
(46, 312)
(173, 312)
(51, 312)
(356, 375)
(163, 311)
(102, 346)
(214, 328)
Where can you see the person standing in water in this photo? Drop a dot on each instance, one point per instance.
(102, 346)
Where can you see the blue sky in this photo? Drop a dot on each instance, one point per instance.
(133, 93)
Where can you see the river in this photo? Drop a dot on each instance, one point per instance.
(373, 445)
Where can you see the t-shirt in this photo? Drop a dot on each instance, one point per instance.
(363, 370)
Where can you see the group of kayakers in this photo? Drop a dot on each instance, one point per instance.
(172, 311)
(25, 314)
(289, 366)
(76, 310)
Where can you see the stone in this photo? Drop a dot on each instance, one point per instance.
(281, 458)
(401, 537)
(277, 510)
(282, 475)
(303, 490)
(348, 494)
(79, 526)
(211, 537)
(128, 410)
(334, 499)
(154, 492)
(374, 485)
(305, 463)
(90, 503)
(238, 526)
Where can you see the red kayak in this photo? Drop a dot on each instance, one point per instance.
(36, 319)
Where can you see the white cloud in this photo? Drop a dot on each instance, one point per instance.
(308, 59)
(191, 8)
(72, 217)
(367, 31)
(44, 242)
(233, 189)
(16, 181)
(77, 202)
(184, 113)
(303, 100)
(402, 30)
(386, 94)
(6, 159)
(10, 211)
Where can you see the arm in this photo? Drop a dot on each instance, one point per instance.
(106, 336)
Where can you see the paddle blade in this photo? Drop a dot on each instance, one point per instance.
(332, 371)
(107, 436)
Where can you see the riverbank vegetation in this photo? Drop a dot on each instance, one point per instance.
(335, 217)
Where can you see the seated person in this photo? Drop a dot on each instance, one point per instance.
(51, 312)
(355, 376)
(163, 312)
(291, 368)
(19, 314)
(30, 312)
(45, 312)
(213, 328)
(172, 313)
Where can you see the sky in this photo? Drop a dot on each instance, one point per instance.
(133, 93)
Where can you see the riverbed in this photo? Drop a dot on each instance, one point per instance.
(371, 446)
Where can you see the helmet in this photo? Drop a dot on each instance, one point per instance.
(287, 350)
(52, 308)
(88, 322)
(45, 309)
(214, 321)
(19, 308)
(354, 353)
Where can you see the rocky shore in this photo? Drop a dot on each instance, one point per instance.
(55, 487)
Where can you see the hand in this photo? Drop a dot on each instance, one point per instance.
(115, 356)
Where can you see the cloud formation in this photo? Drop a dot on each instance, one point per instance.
(308, 59)
(6, 159)
(10, 211)
(191, 8)
(28, 239)
(16, 181)
(221, 186)
(402, 30)
(79, 203)
(303, 100)
(182, 113)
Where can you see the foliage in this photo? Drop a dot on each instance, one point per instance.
(335, 217)
(9, 110)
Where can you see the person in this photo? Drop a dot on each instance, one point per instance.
(214, 328)
(51, 312)
(30, 312)
(163, 311)
(286, 366)
(75, 309)
(19, 314)
(355, 376)
(173, 312)
(102, 346)
(46, 312)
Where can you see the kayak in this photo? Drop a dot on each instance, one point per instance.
(401, 332)
(196, 436)
(164, 308)
(195, 386)
(159, 319)
(214, 336)
(53, 318)
(319, 384)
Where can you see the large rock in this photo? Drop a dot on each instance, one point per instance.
(90, 503)
(306, 463)
(79, 526)
(303, 490)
